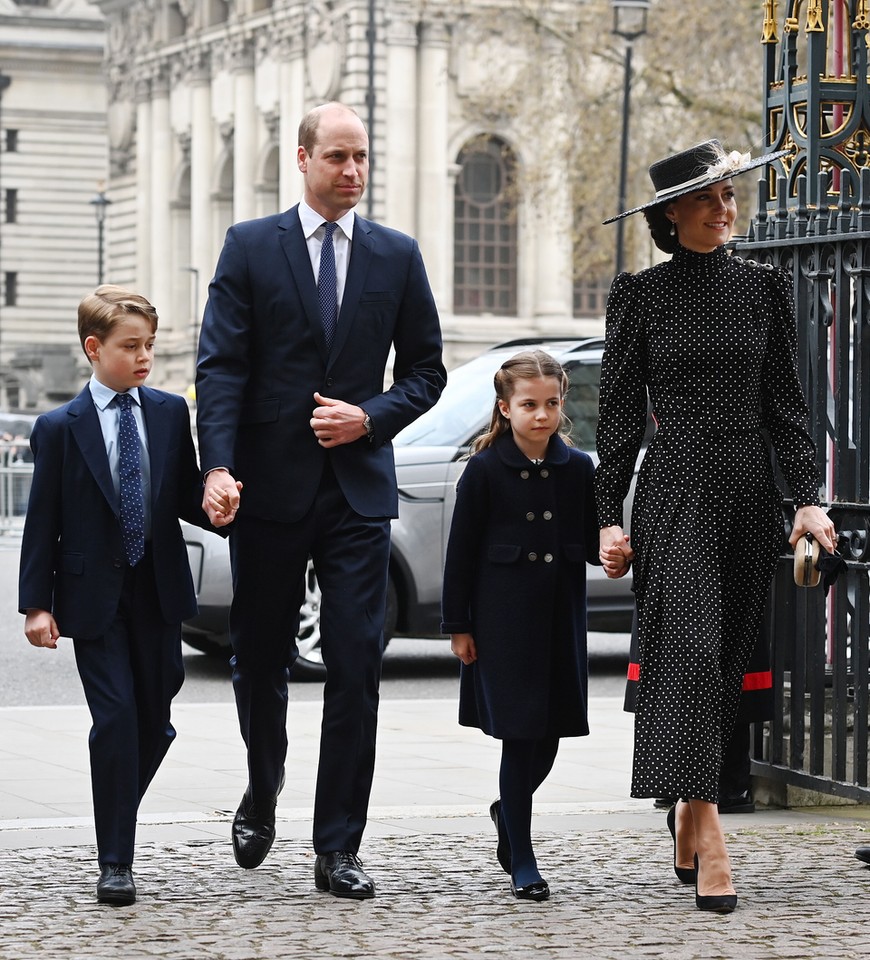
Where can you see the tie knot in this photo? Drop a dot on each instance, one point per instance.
(329, 229)
(124, 400)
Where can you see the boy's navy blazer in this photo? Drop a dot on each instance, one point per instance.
(262, 355)
(72, 555)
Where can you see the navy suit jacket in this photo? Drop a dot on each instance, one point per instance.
(262, 355)
(72, 554)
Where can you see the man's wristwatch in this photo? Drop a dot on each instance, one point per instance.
(370, 427)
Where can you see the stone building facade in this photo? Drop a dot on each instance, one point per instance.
(185, 112)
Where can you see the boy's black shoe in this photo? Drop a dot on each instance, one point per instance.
(116, 885)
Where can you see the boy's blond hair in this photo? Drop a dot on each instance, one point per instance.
(102, 310)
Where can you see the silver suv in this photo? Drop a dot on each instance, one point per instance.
(429, 459)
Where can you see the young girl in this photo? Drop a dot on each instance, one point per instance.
(514, 597)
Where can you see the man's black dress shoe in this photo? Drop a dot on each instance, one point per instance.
(863, 853)
(341, 874)
(539, 891)
(116, 885)
(254, 829)
(503, 850)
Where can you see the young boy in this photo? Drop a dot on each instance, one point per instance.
(103, 560)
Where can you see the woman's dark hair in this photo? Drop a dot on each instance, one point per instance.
(660, 228)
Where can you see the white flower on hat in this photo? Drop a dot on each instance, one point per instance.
(728, 163)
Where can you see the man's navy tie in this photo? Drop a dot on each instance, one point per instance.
(130, 474)
(327, 291)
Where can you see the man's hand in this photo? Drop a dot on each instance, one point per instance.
(220, 498)
(335, 422)
(40, 629)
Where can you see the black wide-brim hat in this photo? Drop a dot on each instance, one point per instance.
(693, 169)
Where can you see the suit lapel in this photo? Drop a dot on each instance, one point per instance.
(88, 435)
(292, 241)
(158, 437)
(357, 269)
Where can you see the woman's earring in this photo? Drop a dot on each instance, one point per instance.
(673, 230)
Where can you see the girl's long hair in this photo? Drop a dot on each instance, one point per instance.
(528, 365)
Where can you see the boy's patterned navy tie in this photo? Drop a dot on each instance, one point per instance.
(130, 474)
(327, 292)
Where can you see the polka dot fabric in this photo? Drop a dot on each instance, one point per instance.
(710, 340)
(130, 476)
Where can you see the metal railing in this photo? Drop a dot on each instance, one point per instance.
(818, 738)
(16, 472)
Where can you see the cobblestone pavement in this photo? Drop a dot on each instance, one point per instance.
(802, 896)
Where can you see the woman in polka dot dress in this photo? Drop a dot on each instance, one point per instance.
(709, 340)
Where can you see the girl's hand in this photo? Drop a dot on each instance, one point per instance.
(462, 645)
(614, 552)
(814, 520)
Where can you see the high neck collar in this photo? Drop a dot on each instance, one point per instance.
(705, 264)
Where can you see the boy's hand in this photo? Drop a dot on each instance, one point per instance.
(462, 645)
(220, 498)
(40, 629)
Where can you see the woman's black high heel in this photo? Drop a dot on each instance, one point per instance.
(724, 903)
(684, 874)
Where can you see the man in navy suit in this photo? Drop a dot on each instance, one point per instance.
(119, 589)
(303, 312)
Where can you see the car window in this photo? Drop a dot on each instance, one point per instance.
(463, 409)
(581, 404)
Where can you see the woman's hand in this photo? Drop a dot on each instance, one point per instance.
(614, 552)
(462, 645)
(814, 520)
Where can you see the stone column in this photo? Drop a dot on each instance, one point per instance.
(434, 198)
(245, 131)
(201, 168)
(291, 106)
(400, 125)
(159, 213)
(143, 194)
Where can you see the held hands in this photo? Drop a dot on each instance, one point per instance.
(40, 629)
(614, 552)
(335, 422)
(220, 498)
(814, 520)
(462, 645)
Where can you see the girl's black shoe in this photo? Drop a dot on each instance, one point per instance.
(503, 850)
(539, 890)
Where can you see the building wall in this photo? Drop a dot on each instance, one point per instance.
(55, 104)
(188, 110)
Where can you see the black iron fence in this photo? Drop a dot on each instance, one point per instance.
(821, 657)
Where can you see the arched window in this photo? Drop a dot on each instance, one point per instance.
(485, 229)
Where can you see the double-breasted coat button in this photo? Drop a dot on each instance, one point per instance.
(533, 556)
(530, 515)
(548, 515)
(548, 558)
(545, 473)
(524, 474)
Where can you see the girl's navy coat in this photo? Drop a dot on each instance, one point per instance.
(515, 578)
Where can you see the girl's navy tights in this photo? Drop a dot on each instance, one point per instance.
(524, 767)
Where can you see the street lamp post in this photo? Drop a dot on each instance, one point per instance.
(100, 202)
(629, 22)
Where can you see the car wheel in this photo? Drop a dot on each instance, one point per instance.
(309, 664)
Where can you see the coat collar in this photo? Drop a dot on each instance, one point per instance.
(511, 455)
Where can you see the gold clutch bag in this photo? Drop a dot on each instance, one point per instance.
(806, 560)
